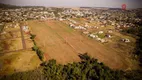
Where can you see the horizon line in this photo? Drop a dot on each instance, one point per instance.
(64, 6)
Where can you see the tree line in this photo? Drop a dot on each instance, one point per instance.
(87, 69)
(36, 48)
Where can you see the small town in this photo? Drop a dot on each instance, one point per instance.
(35, 38)
(112, 20)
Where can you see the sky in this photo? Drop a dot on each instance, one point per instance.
(76, 3)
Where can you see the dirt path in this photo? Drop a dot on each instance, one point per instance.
(63, 44)
(22, 37)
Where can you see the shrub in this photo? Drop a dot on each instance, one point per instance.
(32, 36)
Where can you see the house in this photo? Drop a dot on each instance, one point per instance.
(99, 39)
(71, 25)
(108, 36)
(86, 32)
(109, 31)
(126, 40)
(100, 32)
(26, 29)
(93, 35)
(80, 27)
(103, 40)
(61, 19)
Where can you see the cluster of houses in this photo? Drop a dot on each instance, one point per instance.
(106, 18)
(85, 31)
(12, 28)
(119, 19)
(100, 36)
(73, 13)
(21, 14)
(95, 36)
(77, 27)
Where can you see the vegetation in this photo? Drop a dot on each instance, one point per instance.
(101, 35)
(36, 49)
(32, 36)
(87, 69)
(30, 75)
(7, 6)
(139, 46)
(136, 31)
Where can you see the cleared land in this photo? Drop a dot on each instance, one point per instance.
(18, 62)
(13, 57)
(64, 44)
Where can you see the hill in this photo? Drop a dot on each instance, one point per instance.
(8, 6)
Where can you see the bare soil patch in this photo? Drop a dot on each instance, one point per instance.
(64, 44)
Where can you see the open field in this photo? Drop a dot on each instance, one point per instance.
(11, 45)
(18, 62)
(64, 44)
(13, 56)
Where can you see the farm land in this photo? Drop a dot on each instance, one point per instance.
(63, 43)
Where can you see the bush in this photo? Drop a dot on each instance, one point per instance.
(40, 54)
(32, 36)
(35, 48)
